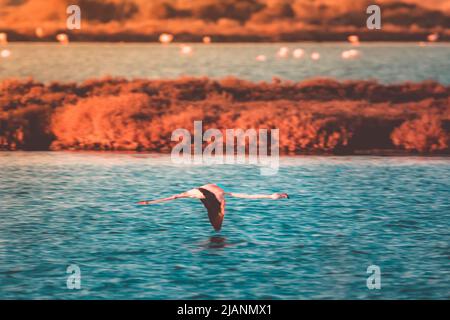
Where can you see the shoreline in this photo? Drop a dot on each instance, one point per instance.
(244, 36)
(175, 43)
(231, 39)
(363, 154)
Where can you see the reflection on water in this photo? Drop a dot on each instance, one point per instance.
(345, 213)
(387, 62)
(217, 242)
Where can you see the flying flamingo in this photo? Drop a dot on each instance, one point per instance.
(213, 198)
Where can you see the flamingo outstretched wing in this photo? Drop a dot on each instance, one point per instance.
(147, 202)
(214, 203)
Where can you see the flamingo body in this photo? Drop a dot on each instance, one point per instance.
(214, 202)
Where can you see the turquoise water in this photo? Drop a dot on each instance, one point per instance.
(344, 214)
(386, 62)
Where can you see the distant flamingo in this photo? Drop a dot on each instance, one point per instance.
(165, 38)
(213, 198)
(315, 56)
(433, 37)
(186, 50)
(283, 52)
(298, 53)
(350, 54)
(353, 39)
(207, 40)
(62, 38)
(5, 53)
(261, 58)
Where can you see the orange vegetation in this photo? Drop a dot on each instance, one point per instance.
(315, 116)
(424, 134)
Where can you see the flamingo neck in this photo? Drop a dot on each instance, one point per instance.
(250, 196)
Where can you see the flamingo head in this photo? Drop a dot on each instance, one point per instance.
(280, 196)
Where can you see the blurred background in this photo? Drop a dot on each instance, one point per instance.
(226, 20)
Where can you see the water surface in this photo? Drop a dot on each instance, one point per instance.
(344, 214)
(385, 62)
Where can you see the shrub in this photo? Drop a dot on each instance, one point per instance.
(423, 135)
(103, 123)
